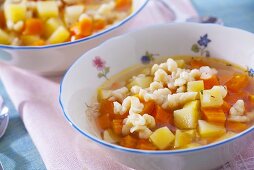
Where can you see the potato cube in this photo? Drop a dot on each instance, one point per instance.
(208, 130)
(187, 117)
(142, 82)
(51, 25)
(15, 12)
(225, 136)
(191, 145)
(4, 38)
(180, 63)
(182, 138)
(60, 35)
(211, 98)
(103, 94)
(110, 136)
(162, 138)
(195, 86)
(47, 9)
(29, 39)
(72, 13)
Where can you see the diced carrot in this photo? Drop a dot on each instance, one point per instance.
(231, 98)
(214, 115)
(236, 126)
(39, 43)
(123, 4)
(148, 108)
(117, 125)
(104, 121)
(197, 63)
(99, 24)
(210, 82)
(106, 107)
(33, 26)
(251, 98)
(163, 116)
(226, 107)
(145, 145)
(83, 27)
(2, 19)
(129, 142)
(238, 82)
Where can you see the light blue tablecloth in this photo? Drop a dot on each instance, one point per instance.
(17, 150)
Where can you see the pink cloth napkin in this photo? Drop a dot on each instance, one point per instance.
(36, 99)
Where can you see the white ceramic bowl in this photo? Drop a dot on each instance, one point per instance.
(54, 59)
(81, 80)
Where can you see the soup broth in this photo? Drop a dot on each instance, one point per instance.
(183, 102)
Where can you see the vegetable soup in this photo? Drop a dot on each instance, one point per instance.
(181, 103)
(44, 22)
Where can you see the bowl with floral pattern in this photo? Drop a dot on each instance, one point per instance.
(143, 47)
(55, 57)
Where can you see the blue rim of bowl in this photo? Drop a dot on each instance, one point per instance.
(113, 27)
(137, 151)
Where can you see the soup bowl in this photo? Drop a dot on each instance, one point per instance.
(78, 87)
(55, 59)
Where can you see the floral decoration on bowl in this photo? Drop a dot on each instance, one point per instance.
(101, 67)
(201, 46)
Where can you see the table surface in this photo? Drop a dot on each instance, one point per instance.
(17, 150)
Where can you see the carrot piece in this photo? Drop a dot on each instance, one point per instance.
(231, 98)
(106, 107)
(197, 63)
(33, 26)
(39, 43)
(163, 116)
(145, 145)
(251, 98)
(104, 121)
(117, 125)
(123, 4)
(83, 27)
(214, 115)
(99, 24)
(236, 126)
(237, 82)
(148, 108)
(226, 107)
(129, 142)
(2, 19)
(210, 82)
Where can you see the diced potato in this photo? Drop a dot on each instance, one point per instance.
(187, 117)
(51, 25)
(191, 145)
(142, 82)
(110, 136)
(182, 138)
(208, 130)
(191, 132)
(103, 94)
(4, 38)
(195, 86)
(29, 39)
(211, 98)
(47, 9)
(61, 34)
(180, 63)
(72, 13)
(162, 138)
(225, 136)
(15, 12)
